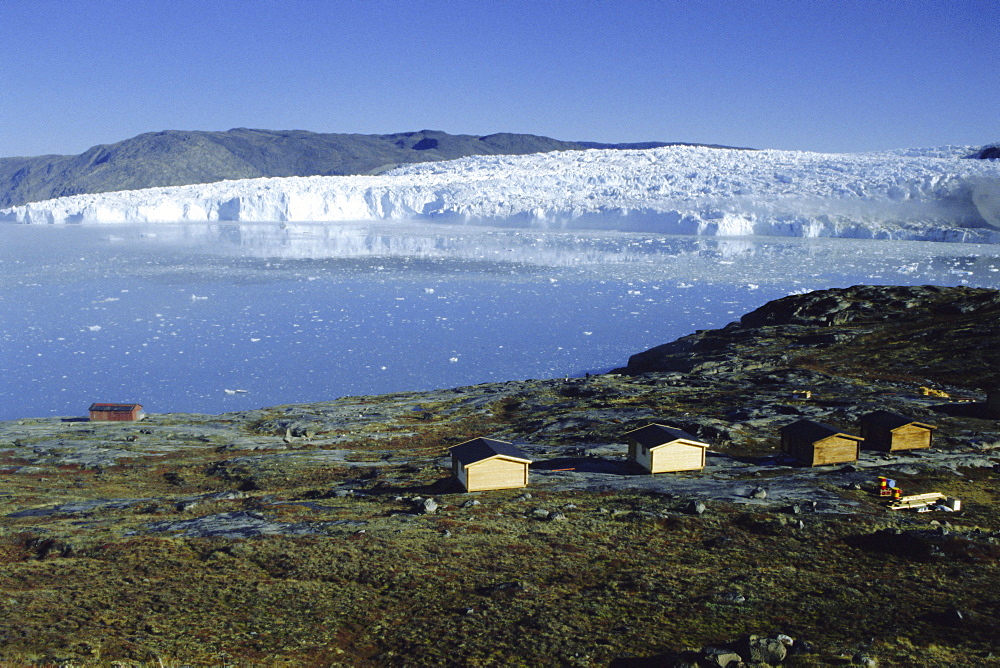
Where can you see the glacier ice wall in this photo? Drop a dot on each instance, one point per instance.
(679, 190)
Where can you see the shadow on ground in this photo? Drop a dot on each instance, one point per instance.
(587, 465)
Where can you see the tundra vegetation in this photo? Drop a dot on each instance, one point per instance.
(301, 535)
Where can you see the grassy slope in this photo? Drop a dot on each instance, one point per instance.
(626, 576)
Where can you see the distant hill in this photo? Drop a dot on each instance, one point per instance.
(991, 152)
(175, 157)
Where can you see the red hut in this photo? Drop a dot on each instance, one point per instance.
(115, 412)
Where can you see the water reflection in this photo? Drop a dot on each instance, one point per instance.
(312, 241)
(171, 316)
(317, 240)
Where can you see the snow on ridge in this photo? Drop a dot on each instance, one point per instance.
(909, 194)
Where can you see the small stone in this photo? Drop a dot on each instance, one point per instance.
(719, 541)
(556, 516)
(524, 497)
(795, 509)
(471, 503)
(721, 657)
(539, 514)
(864, 660)
(952, 616)
(758, 493)
(695, 508)
(731, 597)
(428, 506)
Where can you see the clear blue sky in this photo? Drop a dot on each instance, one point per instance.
(800, 74)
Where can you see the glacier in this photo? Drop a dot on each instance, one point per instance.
(911, 194)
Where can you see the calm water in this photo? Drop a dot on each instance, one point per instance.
(212, 318)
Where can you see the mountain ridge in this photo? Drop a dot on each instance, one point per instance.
(185, 157)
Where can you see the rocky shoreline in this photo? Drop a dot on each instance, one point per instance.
(358, 468)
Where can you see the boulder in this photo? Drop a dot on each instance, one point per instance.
(695, 508)
(763, 649)
(427, 506)
(733, 597)
(721, 657)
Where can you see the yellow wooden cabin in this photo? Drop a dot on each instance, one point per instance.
(661, 449)
(815, 444)
(887, 431)
(485, 463)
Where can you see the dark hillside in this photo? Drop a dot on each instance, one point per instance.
(991, 152)
(176, 157)
(923, 333)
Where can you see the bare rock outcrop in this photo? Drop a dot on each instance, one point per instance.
(766, 337)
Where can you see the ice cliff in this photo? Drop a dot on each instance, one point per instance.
(932, 195)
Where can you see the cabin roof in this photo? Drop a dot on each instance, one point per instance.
(815, 431)
(481, 448)
(653, 435)
(891, 420)
(114, 408)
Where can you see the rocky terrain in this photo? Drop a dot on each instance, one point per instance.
(991, 152)
(331, 534)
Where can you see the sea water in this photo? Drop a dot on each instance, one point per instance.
(219, 317)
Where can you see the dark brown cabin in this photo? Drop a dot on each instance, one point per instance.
(888, 431)
(115, 412)
(816, 444)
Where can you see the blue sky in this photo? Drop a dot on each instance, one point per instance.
(805, 74)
